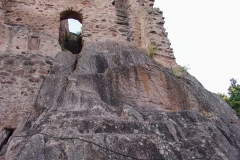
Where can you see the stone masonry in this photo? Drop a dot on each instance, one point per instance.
(21, 77)
(33, 26)
(30, 33)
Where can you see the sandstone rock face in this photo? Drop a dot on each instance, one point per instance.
(113, 102)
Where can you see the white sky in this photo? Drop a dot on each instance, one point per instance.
(74, 25)
(206, 35)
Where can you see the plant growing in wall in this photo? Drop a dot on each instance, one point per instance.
(180, 71)
(63, 49)
(67, 37)
(152, 51)
(79, 36)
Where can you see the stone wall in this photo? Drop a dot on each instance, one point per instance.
(42, 19)
(2, 4)
(21, 77)
(147, 30)
(2, 26)
(29, 40)
(63, 31)
(38, 22)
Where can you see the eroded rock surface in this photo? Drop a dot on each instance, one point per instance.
(113, 102)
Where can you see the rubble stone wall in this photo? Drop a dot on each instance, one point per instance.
(2, 4)
(29, 40)
(34, 25)
(148, 30)
(42, 19)
(3, 35)
(21, 77)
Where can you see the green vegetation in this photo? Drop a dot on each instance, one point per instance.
(152, 51)
(179, 71)
(79, 36)
(234, 96)
(66, 83)
(206, 113)
(63, 49)
(67, 37)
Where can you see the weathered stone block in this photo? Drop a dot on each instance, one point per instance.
(49, 62)
(43, 71)
(34, 80)
(31, 71)
(9, 62)
(7, 82)
(28, 63)
(19, 72)
(4, 73)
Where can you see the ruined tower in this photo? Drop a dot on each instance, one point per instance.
(119, 98)
(33, 26)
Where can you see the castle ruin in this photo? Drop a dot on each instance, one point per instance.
(31, 31)
(32, 26)
(119, 98)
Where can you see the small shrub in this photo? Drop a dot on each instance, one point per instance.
(161, 64)
(79, 37)
(186, 68)
(63, 49)
(152, 51)
(206, 113)
(180, 71)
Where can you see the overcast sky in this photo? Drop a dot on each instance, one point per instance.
(205, 34)
(74, 25)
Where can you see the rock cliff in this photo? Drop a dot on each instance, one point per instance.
(113, 102)
(110, 101)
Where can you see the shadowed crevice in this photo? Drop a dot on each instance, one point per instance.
(8, 133)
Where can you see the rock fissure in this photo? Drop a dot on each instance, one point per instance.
(5, 136)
